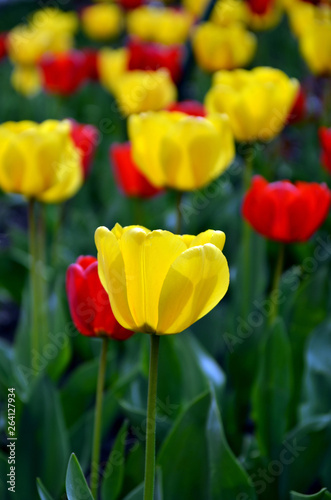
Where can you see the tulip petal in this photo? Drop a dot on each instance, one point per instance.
(216, 238)
(112, 275)
(199, 279)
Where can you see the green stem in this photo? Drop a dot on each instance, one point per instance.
(276, 282)
(178, 212)
(35, 300)
(247, 239)
(151, 418)
(41, 270)
(97, 420)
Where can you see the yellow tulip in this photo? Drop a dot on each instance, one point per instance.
(267, 21)
(138, 91)
(227, 47)
(39, 160)
(163, 25)
(227, 12)
(304, 16)
(315, 46)
(112, 63)
(159, 282)
(178, 151)
(26, 80)
(102, 22)
(257, 102)
(195, 7)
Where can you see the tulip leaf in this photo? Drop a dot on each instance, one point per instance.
(321, 495)
(113, 473)
(43, 493)
(186, 444)
(272, 391)
(228, 479)
(136, 494)
(304, 449)
(76, 485)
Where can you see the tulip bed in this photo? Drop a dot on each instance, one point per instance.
(189, 360)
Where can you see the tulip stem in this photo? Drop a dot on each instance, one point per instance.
(276, 282)
(97, 420)
(151, 419)
(34, 286)
(247, 237)
(178, 212)
(41, 271)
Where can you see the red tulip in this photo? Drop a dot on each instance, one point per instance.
(194, 108)
(3, 47)
(85, 138)
(130, 4)
(298, 110)
(127, 176)
(325, 141)
(89, 303)
(63, 73)
(91, 61)
(286, 212)
(152, 56)
(260, 6)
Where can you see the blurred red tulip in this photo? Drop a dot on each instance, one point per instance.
(260, 6)
(63, 73)
(325, 140)
(3, 47)
(85, 138)
(194, 108)
(127, 176)
(91, 62)
(286, 212)
(298, 110)
(130, 4)
(89, 303)
(152, 56)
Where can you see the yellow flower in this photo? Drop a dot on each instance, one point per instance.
(257, 102)
(138, 91)
(227, 12)
(159, 282)
(102, 22)
(227, 47)
(26, 80)
(39, 160)
(26, 45)
(179, 151)
(304, 16)
(163, 25)
(267, 21)
(315, 46)
(195, 7)
(112, 63)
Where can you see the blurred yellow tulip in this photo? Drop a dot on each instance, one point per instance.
(26, 80)
(226, 47)
(267, 21)
(179, 151)
(163, 25)
(195, 7)
(102, 22)
(158, 282)
(227, 12)
(305, 16)
(257, 102)
(315, 47)
(39, 160)
(138, 91)
(112, 63)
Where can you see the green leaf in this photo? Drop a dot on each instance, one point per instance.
(43, 493)
(136, 494)
(304, 451)
(158, 484)
(321, 495)
(76, 485)
(227, 477)
(114, 471)
(272, 391)
(183, 469)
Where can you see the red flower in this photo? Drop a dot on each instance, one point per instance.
(63, 73)
(260, 6)
(286, 212)
(127, 176)
(152, 56)
(3, 47)
(325, 140)
(91, 62)
(85, 138)
(89, 303)
(194, 108)
(130, 4)
(298, 110)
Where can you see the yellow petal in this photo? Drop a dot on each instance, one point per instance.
(197, 280)
(147, 258)
(216, 238)
(112, 276)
